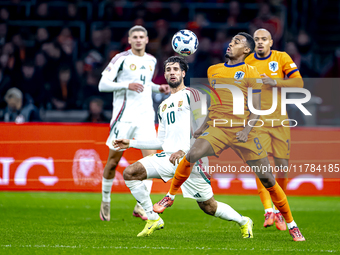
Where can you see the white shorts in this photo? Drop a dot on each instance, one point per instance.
(129, 130)
(197, 186)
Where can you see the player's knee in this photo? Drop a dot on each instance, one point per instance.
(192, 156)
(128, 173)
(268, 182)
(208, 208)
(112, 164)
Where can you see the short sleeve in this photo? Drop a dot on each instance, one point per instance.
(288, 65)
(115, 65)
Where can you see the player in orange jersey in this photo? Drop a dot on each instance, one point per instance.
(213, 139)
(274, 66)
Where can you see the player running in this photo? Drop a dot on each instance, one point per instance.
(273, 66)
(244, 141)
(178, 117)
(129, 76)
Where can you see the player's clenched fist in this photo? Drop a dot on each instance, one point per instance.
(121, 144)
(134, 86)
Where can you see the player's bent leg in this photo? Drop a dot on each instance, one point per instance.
(134, 176)
(201, 148)
(278, 197)
(225, 212)
(138, 211)
(108, 176)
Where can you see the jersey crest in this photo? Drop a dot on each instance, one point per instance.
(273, 66)
(133, 67)
(164, 107)
(239, 75)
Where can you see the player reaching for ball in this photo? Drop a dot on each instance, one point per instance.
(242, 138)
(179, 116)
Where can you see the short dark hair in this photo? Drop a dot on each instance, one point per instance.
(177, 59)
(250, 41)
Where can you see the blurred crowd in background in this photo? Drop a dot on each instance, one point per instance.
(52, 53)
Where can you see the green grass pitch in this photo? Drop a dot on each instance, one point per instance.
(69, 223)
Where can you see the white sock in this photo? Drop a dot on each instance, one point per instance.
(276, 211)
(291, 225)
(140, 192)
(148, 184)
(171, 196)
(268, 210)
(106, 189)
(225, 212)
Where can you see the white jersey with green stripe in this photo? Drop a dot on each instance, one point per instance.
(128, 105)
(179, 116)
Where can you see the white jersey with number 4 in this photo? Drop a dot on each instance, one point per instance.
(128, 105)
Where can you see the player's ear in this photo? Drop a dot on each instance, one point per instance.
(246, 50)
(271, 43)
(129, 40)
(147, 40)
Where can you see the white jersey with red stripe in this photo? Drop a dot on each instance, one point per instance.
(128, 105)
(179, 116)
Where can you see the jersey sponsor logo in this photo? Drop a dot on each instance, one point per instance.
(164, 107)
(172, 105)
(205, 134)
(273, 66)
(239, 75)
(180, 103)
(143, 67)
(133, 67)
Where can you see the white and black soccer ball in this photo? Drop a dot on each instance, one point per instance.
(184, 42)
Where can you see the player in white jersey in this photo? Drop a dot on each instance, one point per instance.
(129, 76)
(177, 115)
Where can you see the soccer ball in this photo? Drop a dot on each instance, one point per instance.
(184, 42)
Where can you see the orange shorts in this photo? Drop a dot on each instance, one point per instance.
(276, 141)
(222, 138)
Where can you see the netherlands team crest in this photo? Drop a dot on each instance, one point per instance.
(133, 67)
(164, 107)
(180, 103)
(239, 75)
(273, 66)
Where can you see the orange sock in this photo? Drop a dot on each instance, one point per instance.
(181, 175)
(264, 195)
(280, 201)
(283, 183)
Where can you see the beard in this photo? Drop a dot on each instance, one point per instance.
(227, 55)
(175, 84)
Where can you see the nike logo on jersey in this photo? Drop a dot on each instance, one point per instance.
(214, 74)
(172, 105)
(260, 153)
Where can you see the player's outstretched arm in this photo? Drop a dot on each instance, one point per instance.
(162, 88)
(242, 136)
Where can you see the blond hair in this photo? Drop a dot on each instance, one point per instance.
(138, 28)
